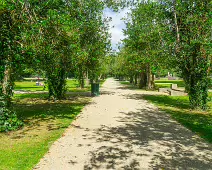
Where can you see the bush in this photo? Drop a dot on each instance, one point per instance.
(9, 120)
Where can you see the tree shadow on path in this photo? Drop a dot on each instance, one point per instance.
(179, 109)
(148, 139)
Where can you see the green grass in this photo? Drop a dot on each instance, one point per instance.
(45, 122)
(125, 82)
(72, 85)
(167, 83)
(199, 122)
(31, 96)
(158, 84)
(28, 86)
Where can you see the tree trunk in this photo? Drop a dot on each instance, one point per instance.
(149, 77)
(143, 80)
(56, 81)
(176, 25)
(198, 84)
(82, 83)
(81, 78)
(87, 79)
(7, 85)
(136, 79)
(6, 81)
(153, 81)
(131, 79)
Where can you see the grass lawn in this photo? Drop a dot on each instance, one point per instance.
(199, 122)
(167, 83)
(72, 85)
(125, 82)
(45, 122)
(27, 86)
(158, 84)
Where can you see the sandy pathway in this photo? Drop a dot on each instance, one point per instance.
(121, 131)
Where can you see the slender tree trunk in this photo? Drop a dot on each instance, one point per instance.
(81, 78)
(87, 79)
(82, 83)
(7, 85)
(149, 77)
(176, 25)
(136, 79)
(6, 81)
(153, 81)
(131, 79)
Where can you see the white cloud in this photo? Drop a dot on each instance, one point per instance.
(116, 25)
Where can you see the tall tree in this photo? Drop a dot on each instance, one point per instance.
(190, 25)
(179, 30)
(49, 35)
(144, 37)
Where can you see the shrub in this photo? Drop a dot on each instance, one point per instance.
(9, 120)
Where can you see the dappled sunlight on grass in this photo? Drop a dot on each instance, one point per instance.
(45, 121)
(30, 95)
(180, 102)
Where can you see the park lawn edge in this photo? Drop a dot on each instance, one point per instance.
(199, 122)
(72, 86)
(21, 155)
(26, 152)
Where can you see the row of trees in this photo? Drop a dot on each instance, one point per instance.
(55, 37)
(169, 34)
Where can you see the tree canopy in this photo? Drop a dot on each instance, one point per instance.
(55, 37)
(170, 34)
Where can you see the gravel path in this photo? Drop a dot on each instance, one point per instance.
(119, 130)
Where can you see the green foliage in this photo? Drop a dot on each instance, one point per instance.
(192, 49)
(11, 56)
(9, 120)
(174, 35)
(53, 38)
(142, 48)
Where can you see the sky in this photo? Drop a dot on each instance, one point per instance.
(116, 26)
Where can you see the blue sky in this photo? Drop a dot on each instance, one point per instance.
(116, 25)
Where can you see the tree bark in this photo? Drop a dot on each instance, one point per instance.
(6, 81)
(87, 79)
(131, 79)
(176, 24)
(82, 83)
(143, 80)
(7, 85)
(153, 81)
(136, 79)
(149, 77)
